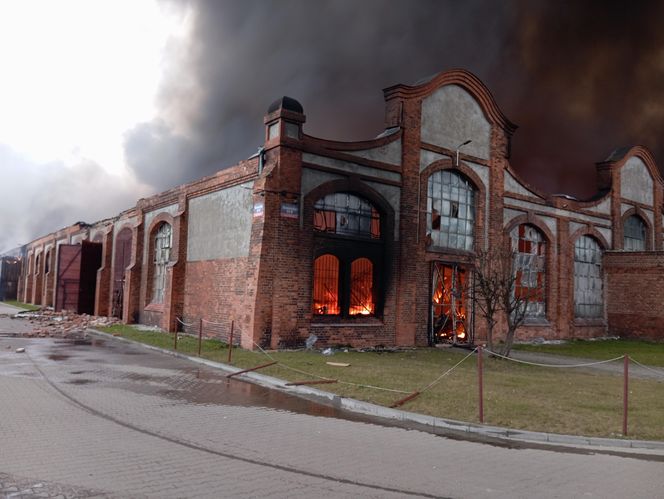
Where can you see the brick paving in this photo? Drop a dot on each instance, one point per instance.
(111, 420)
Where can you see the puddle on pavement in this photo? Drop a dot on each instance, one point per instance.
(125, 369)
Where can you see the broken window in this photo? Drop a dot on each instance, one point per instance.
(529, 249)
(326, 285)
(448, 305)
(634, 234)
(346, 214)
(588, 285)
(450, 210)
(162, 255)
(47, 262)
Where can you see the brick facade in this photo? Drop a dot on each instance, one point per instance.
(244, 241)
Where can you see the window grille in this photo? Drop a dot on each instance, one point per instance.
(529, 249)
(634, 232)
(346, 214)
(361, 287)
(588, 283)
(450, 210)
(326, 285)
(162, 255)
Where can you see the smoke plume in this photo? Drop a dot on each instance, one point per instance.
(579, 78)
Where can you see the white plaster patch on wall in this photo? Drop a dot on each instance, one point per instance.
(313, 178)
(509, 215)
(428, 157)
(606, 233)
(349, 167)
(604, 207)
(574, 226)
(450, 116)
(219, 224)
(550, 210)
(511, 184)
(118, 225)
(550, 222)
(625, 207)
(635, 181)
(392, 195)
(389, 153)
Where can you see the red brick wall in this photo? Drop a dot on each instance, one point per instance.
(635, 294)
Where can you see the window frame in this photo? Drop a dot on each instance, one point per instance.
(578, 276)
(542, 257)
(461, 209)
(643, 226)
(347, 248)
(158, 285)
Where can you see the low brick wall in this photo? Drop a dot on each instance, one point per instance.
(635, 294)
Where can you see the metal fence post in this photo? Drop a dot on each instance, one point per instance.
(625, 395)
(480, 383)
(230, 343)
(200, 335)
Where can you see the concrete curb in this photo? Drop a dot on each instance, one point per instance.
(447, 427)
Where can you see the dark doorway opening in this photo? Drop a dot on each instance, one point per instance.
(77, 277)
(121, 261)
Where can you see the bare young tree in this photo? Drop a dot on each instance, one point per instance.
(498, 289)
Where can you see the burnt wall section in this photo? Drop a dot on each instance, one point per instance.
(635, 291)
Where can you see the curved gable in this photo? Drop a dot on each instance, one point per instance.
(450, 116)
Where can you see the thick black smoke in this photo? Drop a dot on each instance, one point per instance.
(580, 78)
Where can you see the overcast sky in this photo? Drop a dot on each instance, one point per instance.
(103, 102)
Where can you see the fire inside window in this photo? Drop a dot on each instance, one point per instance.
(450, 210)
(634, 232)
(344, 281)
(162, 255)
(448, 304)
(529, 249)
(588, 285)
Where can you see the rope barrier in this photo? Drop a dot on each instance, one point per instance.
(648, 368)
(184, 323)
(559, 366)
(447, 372)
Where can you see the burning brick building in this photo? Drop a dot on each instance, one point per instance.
(371, 242)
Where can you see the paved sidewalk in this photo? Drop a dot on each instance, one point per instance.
(117, 420)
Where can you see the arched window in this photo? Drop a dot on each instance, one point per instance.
(350, 256)
(588, 285)
(450, 210)
(346, 214)
(38, 264)
(634, 234)
(162, 255)
(47, 262)
(529, 249)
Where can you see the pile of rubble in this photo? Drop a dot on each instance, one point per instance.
(47, 323)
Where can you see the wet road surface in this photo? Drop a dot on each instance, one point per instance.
(107, 419)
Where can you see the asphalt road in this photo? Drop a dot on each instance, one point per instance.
(107, 419)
